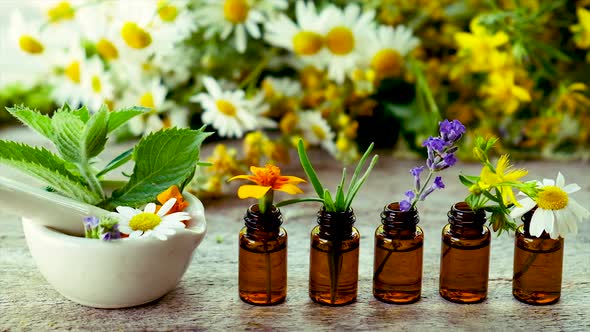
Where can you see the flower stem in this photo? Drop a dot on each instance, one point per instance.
(424, 185)
(265, 202)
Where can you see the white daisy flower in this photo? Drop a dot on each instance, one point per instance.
(174, 21)
(68, 85)
(59, 11)
(282, 87)
(226, 16)
(304, 37)
(387, 49)
(97, 88)
(316, 130)
(28, 37)
(346, 36)
(229, 112)
(557, 213)
(98, 28)
(134, 22)
(151, 94)
(175, 64)
(137, 223)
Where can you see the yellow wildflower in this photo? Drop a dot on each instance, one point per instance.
(500, 178)
(480, 47)
(572, 98)
(582, 29)
(502, 90)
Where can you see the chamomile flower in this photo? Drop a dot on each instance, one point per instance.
(229, 112)
(303, 37)
(150, 94)
(59, 11)
(223, 17)
(346, 36)
(28, 37)
(388, 48)
(96, 85)
(134, 22)
(557, 213)
(174, 21)
(68, 85)
(98, 29)
(282, 87)
(137, 223)
(316, 130)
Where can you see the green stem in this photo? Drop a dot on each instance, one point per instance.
(299, 200)
(415, 200)
(265, 202)
(91, 178)
(254, 74)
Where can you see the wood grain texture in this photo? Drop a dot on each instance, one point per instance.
(207, 296)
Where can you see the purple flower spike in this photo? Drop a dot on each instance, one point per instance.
(450, 159)
(404, 205)
(416, 172)
(435, 143)
(451, 131)
(410, 194)
(90, 222)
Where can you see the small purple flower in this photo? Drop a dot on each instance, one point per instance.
(405, 205)
(410, 194)
(90, 223)
(451, 131)
(450, 159)
(435, 143)
(416, 171)
(438, 183)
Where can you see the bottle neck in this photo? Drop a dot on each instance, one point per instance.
(336, 225)
(399, 222)
(466, 222)
(267, 224)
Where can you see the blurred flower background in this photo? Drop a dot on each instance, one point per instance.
(339, 74)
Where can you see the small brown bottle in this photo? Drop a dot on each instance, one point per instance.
(465, 256)
(538, 263)
(397, 269)
(334, 259)
(263, 258)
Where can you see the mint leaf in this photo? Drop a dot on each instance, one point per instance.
(33, 119)
(117, 162)
(68, 136)
(162, 159)
(47, 167)
(120, 117)
(82, 113)
(95, 134)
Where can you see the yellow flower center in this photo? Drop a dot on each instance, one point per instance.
(96, 84)
(147, 100)
(144, 221)
(30, 45)
(226, 107)
(235, 11)
(552, 198)
(166, 11)
(135, 36)
(307, 43)
(319, 132)
(61, 12)
(387, 62)
(340, 40)
(72, 71)
(107, 50)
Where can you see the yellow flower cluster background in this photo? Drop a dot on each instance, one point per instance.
(338, 74)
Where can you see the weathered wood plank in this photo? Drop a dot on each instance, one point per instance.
(206, 298)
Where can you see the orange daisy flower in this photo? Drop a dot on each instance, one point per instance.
(267, 178)
(173, 192)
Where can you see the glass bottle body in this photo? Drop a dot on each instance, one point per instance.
(334, 259)
(538, 266)
(465, 256)
(397, 269)
(263, 258)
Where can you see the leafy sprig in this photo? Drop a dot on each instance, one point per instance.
(342, 200)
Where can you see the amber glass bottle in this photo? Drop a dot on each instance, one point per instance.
(334, 259)
(397, 269)
(538, 263)
(263, 258)
(465, 256)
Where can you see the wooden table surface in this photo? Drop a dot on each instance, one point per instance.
(207, 299)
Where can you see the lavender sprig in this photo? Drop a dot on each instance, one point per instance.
(441, 155)
(105, 228)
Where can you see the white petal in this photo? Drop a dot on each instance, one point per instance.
(548, 182)
(578, 210)
(166, 207)
(538, 221)
(125, 229)
(160, 236)
(166, 231)
(212, 86)
(560, 181)
(127, 212)
(253, 29)
(527, 205)
(135, 234)
(240, 39)
(571, 188)
(177, 224)
(556, 227)
(150, 208)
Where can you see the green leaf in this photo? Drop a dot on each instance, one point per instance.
(308, 168)
(68, 136)
(466, 181)
(340, 191)
(162, 159)
(33, 119)
(47, 167)
(95, 134)
(357, 186)
(329, 202)
(359, 167)
(120, 117)
(117, 162)
(82, 113)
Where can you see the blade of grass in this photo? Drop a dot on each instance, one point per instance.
(299, 200)
(308, 168)
(340, 191)
(359, 167)
(354, 190)
(329, 202)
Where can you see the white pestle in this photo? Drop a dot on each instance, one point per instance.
(46, 208)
